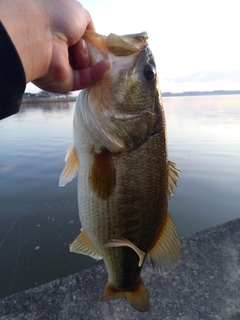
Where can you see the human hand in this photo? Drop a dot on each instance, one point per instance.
(47, 35)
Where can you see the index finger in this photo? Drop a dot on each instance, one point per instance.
(91, 26)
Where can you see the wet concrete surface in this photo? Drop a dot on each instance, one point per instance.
(205, 285)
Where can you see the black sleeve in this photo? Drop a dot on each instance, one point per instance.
(12, 76)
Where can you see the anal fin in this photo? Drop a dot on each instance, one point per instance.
(122, 242)
(102, 173)
(137, 298)
(71, 167)
(165, 254)
(82, 245)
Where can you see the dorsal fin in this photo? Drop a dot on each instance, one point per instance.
(165, 254)
(122, 242)
(173, 177)
(102, 173)
(71, 167)
(137, 298)
(82, 245)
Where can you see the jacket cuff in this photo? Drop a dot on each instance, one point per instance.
(12, 76)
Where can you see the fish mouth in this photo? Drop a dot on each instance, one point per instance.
(99, 46)
(127, 44)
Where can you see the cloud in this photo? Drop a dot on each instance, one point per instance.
(206, 76)
(207, 80)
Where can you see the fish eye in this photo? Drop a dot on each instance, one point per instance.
(149, 72)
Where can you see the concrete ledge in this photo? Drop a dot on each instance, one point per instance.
(206, 285)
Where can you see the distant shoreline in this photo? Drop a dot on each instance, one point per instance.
(200, 93)
(52, 99)
(164, 94)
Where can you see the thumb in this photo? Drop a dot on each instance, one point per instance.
(87, 77)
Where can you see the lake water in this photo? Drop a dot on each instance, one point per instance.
(38, 220)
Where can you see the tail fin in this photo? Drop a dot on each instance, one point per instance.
(137, 298)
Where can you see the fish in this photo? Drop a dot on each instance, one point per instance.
(124, 176)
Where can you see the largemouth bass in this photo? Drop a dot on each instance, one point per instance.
(124, 176)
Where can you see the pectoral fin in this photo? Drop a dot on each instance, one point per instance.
(165, 254)
(82, 245)
(102, 173)
(122, 242)
(71, 167)
(173, 177)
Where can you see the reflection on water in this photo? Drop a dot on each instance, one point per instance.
(204, 140)
(38, 220)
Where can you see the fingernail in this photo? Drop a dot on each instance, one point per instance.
(84, 48)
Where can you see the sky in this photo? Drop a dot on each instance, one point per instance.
(195, 43)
